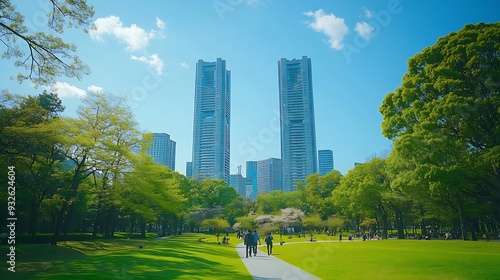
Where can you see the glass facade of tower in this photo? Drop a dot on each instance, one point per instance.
(251, 172)
(298, 133)
(269, 175)
(325, 161)
(162, 150)
(212, 115)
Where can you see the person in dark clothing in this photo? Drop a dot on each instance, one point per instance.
(256, 238)
(248, 243)
(269, 243)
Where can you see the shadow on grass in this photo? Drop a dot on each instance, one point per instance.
(176, 258)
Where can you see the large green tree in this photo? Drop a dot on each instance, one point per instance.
(28, 141)
(318, 192)
(445, 119)
(43, 55)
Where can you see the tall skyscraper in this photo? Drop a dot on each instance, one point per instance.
(298, 133)
(212, 115)
(325, 161)
(252, 176)
(162, 150)
(269, 175)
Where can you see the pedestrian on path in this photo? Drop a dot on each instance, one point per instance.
(269, 243)
(249, 243)
(256, 238)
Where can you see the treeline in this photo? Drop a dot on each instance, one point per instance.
(91, 173)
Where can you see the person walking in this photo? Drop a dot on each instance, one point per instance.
(269, 243)
(256, 238)
(248, 243)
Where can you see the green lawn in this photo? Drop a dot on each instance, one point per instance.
(395, 259)
(179, 257)
(184, 257)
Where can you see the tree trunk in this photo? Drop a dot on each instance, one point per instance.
(95, 225)
(143, 230)
(462, 217)
(400, 224)
(57, 229)
(33, 219)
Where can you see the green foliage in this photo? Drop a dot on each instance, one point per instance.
(216, 224)
(318, 191)
(41, 54)
(312, 221)
(445, 123)
(149, 189)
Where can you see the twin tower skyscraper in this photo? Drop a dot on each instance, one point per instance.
(212, 116)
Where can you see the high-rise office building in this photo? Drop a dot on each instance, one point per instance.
(189, 169)
(162, 150)
(212, 115)
(298, 133)
(252, 176)
(269, 175)
(238, 182)
(325, 161)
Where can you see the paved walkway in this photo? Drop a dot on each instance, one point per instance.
(264, 267)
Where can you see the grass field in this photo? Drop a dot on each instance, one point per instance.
(180, 257)
(395, 259)
(184, 257)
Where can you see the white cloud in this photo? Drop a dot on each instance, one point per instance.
(66, 90)
(160, 23)
(364, 30)
(151, 60)
(332, 26)
(94, 88)
(183, 64)
(368, 13)
(135, 37)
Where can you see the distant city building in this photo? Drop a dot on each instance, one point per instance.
(325, 161)
(298, 132)
(211, 127)
(249, 187)
(269, 175)
(162, 150)
(238, 182)
(189, 169)
(251, 172)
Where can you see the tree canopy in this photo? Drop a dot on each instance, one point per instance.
(445, 117)
(43, 55)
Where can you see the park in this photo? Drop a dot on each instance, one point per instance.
(185, 257)
(83, 199)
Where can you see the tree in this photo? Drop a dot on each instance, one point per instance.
(445, 119)
(96, 142)
(318, 192)
(28, 141)
(365, 192)
(42, 54)
(216, 224)
(312, 221)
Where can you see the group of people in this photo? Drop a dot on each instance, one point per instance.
(252, 238)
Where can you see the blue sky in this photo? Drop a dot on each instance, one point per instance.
(359, 52)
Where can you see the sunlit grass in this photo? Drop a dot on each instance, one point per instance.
(395, 259)
(179, 257)
(184, 257)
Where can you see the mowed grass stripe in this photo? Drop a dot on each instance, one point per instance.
(395, 259)
(179, 257)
